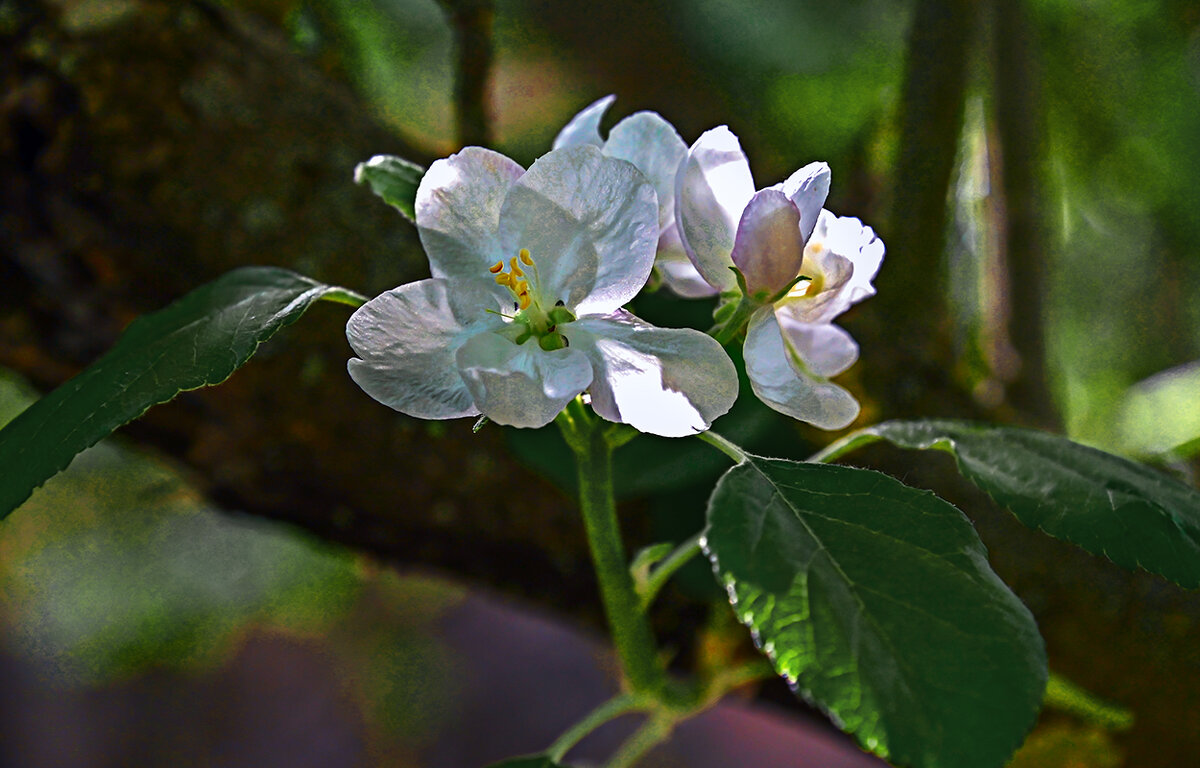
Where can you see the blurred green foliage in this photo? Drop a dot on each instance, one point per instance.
(118, 564)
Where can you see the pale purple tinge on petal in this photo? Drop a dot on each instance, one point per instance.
(678, 273)
(655, 148)
(406, 340)
(768, 249)
(521, 385)
(584, 128)
(783, 384)
(590, 223)
(458, 212)
(808, 188)
(712, 189)
(826, 349)
(663, 381)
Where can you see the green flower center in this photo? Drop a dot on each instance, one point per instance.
(531, 320)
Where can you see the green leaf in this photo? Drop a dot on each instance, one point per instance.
(1132, 514)
(876, 602)
(198, 341)
(536, 761)
(1161, 415)
(393, 179)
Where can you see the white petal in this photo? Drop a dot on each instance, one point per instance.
(591, 224)
(826, 297)
(783, 385)
(458, 213)
(825, 349)
(652, 144)
(584, 128)
(849, 237)
(678, 272)
(768, 249)
(808, 188)
(711, 191)
(665, 381)
(407, 339)
(521, 385)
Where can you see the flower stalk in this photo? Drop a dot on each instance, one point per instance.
(630, 629)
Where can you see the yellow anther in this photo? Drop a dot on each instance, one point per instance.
(516, 268)
(504, 279)
(525, 257)
(499, 265)
(524, 300)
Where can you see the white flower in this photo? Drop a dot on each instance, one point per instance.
(653, 145)
(523, 312)
(774, 236)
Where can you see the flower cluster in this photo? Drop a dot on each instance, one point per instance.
(531, 269)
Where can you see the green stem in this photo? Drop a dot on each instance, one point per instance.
(723, 445)
(667, 568)
(1065, 696)
(728, 330)
(652, 733)
(840, 448)
(609, 710)
(630, 629)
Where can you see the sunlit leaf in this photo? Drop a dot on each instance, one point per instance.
(198, 341)
(876, 602)
(395, 180)
(1162, 413)
(1132, 514)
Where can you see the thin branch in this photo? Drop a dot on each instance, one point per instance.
(472, 22)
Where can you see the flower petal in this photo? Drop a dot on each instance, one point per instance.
(677, 271)
(768, 249)
(849, 237)
(407, 339)
(808, 188)
(652, 144)
(779, 382)
(584, 128)
(458, 212)
(825, 349)
(591, 224)
(665, 381)
(521, 385)
(826, 297)
(711, 191)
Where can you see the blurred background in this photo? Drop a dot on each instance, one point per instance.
(280, 571)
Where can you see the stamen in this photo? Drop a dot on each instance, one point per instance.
(526, 259)
(504, 279)
(499, 265)
(516, 268)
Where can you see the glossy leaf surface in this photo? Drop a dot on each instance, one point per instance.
(875, 600)
(198, 341)
(394, 179)
(1134, 515)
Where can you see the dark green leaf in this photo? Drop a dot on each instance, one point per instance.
(1132, 514)
(876, 602)
(537, 761)
(198, 341)
(393, 179)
